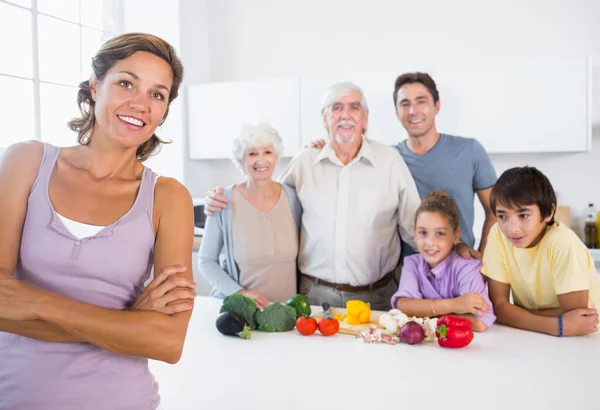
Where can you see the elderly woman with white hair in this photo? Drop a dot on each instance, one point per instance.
(258, 233)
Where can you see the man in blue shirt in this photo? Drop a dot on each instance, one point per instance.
(459, 166)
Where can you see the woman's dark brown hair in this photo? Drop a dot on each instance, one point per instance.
(113, 51)
(523, 186)
(439, 201)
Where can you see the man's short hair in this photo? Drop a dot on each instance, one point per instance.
(411, 78)
(524, 186)
(339, 90)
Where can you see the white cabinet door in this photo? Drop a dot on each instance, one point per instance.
(518, 106)
(203, 286)
(532, 105)
(217, 111)
(596, 95)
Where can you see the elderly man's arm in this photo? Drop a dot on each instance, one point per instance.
(290, 174)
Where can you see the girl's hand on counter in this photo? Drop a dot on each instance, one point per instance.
(20, 300)
(168, 293)
(471, 302)
(261, 301)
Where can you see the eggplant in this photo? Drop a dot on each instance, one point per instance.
(232, 324)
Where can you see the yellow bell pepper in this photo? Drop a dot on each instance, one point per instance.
(357, 312)
(339, 317)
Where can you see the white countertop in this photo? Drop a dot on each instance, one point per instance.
(503, 368)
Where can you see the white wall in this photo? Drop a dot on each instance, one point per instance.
(575, 177)
(261, 39)
(266, 38)
(162, 19)
(195, 22)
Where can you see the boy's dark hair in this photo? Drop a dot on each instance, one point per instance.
(421, 78)
(523, 186)
(440, 202)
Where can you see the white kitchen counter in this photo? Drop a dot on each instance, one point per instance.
(503, 368)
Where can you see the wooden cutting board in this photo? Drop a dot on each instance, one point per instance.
(353, 330)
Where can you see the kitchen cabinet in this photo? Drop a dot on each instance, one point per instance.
(596, 95)
(510, 106)
(274, 371)
(217, 111)
(596, 257)
(203, 286)
(532, 105)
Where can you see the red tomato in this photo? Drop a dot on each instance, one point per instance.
(306, 325)
(328, 327)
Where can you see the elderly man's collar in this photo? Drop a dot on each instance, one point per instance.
(366, 152)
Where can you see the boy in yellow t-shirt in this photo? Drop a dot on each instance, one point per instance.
(550, 271)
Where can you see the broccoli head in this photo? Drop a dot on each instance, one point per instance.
(276, 318)
(242, 305)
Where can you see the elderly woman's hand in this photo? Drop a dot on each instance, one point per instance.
(260, 300)
(168, 293)
(20, 300)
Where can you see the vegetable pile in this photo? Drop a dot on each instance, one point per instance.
(327, 326)
(451, 331)
(395, 319)
(240, 315)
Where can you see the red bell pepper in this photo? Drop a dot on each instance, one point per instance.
(454, 332)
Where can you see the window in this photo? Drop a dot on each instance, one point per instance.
(47, 48)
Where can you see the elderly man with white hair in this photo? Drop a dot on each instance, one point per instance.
(259, 231)
(358, 199)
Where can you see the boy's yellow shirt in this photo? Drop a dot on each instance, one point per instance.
(559, 263)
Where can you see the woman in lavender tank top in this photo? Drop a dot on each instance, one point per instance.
(77, 325)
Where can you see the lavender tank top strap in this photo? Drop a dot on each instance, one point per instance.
(46, 166)
(145, 198)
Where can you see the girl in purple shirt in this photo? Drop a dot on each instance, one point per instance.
(437, 281)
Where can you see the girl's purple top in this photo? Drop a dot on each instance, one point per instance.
(452, 278)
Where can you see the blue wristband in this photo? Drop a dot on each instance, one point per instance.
(560, 326)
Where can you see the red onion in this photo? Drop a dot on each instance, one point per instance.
(412, 333)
